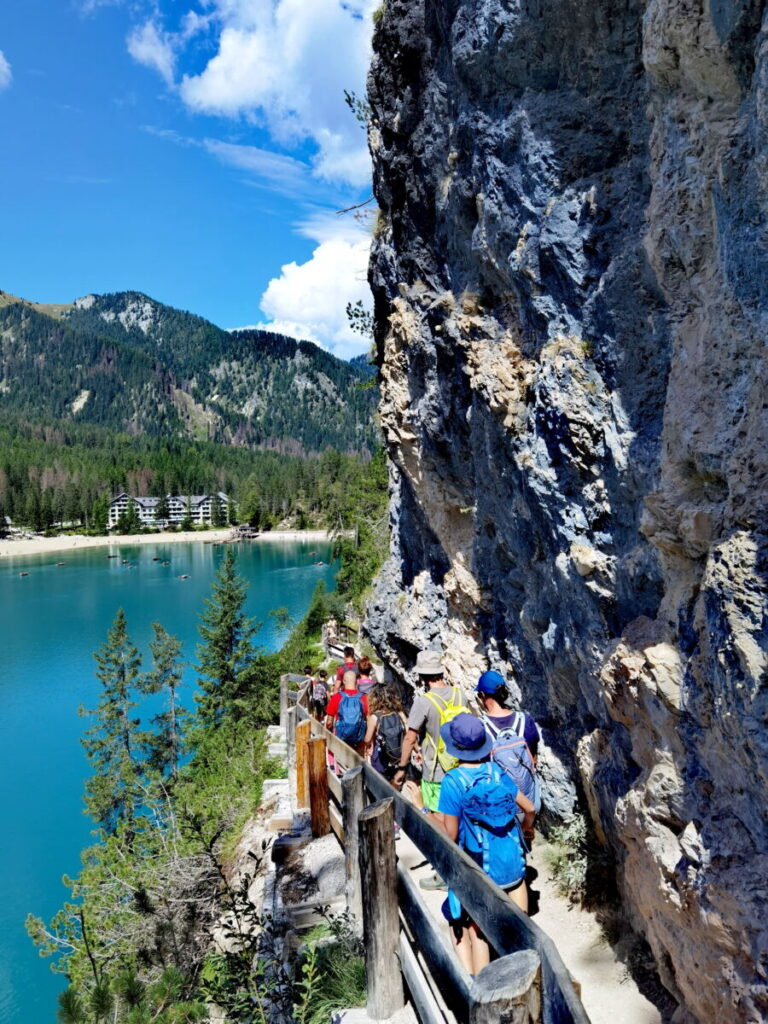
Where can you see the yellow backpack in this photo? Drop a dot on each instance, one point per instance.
(447, 709)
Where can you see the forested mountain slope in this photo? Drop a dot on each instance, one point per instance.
(129, 363)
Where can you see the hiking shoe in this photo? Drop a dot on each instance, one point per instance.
(432, 882)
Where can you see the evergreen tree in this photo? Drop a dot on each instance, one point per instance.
(111, 793)
(186, 522)
(100, 514)
(217, 513)
(129, 521)
(164, 745)
(227, 652)
(162, 511)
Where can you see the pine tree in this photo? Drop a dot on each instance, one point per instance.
(186, 523)
(111, 793)
(100, 514)
(217, 513)
(162, 511)
(227, 651)
(164, 745)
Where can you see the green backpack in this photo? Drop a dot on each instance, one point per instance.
(447, 709)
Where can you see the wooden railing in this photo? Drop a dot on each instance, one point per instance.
(527, 984)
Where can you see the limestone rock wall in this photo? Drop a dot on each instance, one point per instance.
(569, 273)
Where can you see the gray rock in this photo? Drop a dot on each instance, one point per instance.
(569, 273)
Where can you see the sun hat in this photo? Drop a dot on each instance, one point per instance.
(490, 682)
(429, 663)
(465, 737)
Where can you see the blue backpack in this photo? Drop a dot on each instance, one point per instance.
(350, 719)
(510, 752)
(489, 812)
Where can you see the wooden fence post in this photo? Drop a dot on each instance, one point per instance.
(290, 746)
(320, 816)
(283, 701)
(381, 921)
(508, 989)
(353, 801)
(303, 732)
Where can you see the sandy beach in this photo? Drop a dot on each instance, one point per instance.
(42, 545)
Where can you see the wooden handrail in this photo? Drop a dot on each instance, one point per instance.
(506, 927)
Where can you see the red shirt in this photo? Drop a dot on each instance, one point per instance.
(333, 703)
(348, 666)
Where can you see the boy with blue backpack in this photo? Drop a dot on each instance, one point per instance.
(347, 713)
(514, 734)
(479, 806)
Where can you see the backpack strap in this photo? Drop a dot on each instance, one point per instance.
(437, 703)
(490, 727)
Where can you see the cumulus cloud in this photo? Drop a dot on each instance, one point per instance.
(288, 62)
(309, 300)
(154, 48)
(5, 72)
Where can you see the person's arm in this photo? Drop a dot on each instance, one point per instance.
(529, 810)
(330, 712)
(410, 740)
(370, 733)
(447, 823)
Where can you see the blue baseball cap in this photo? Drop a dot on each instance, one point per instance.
(465, 737)
(490, 682)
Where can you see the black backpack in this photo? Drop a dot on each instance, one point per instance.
(389, 738)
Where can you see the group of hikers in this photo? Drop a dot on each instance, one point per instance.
(475, 775)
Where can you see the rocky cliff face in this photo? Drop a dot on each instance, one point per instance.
(569, 273)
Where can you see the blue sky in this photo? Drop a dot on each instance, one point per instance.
(195, 151)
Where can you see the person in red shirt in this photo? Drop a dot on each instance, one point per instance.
(349, 664)
(349, 721)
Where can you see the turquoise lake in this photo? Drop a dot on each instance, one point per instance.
(51, 621)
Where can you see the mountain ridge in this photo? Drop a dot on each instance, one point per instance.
(129, 362)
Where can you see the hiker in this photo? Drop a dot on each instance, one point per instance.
(320, 695)
(349, 664)
(347, 713)
(385, 730)
(366, 680)
(514, 734)
(430, 710)
(478, 811)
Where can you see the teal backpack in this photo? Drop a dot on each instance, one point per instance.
(489, 812)
(350, 719)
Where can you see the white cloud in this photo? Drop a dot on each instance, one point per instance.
(281, 173)
(150, 45)
(265, 168)
(288, 62)
(5, 72)
(309, 300)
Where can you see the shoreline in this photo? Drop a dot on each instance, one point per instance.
(77, 542)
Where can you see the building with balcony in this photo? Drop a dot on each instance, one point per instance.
(198, 507)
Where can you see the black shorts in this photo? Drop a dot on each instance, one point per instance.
(318, 706)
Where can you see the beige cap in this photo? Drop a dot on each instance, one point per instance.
(429, 663)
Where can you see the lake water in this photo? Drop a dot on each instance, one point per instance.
(51, 621)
